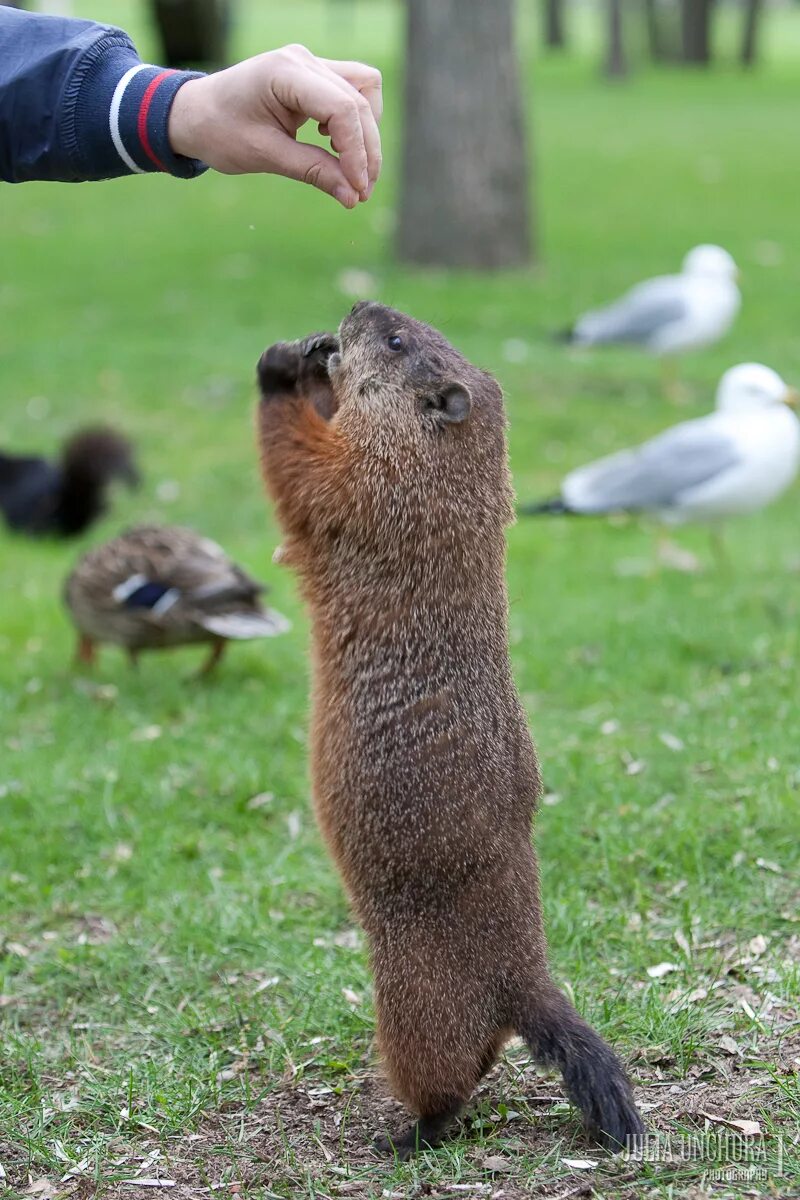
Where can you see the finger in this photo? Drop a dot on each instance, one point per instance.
(364, 79)
(311, 164)
(318, 93)
(369, 125)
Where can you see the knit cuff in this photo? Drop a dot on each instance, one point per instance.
(117, 109)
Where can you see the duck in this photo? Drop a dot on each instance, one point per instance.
(157, 586)
(669, 314)
(63, 497)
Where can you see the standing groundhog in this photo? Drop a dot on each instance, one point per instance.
(385, 453)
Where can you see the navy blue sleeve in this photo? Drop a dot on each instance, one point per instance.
(77, 103)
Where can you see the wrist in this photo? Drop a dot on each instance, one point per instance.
(184, 121)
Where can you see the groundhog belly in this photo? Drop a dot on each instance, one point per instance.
(420, 790)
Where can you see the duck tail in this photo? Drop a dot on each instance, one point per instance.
(242, 626)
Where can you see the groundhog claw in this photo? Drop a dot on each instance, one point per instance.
(321, 344)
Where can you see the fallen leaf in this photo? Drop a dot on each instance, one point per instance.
(149, 733)
(260, 801)
(350, 996)
(757, 945)
(497, 1163)
(728, 1044)
(661, 969)
(579, 1164)
(748, 1128)
(766, 865)
(683, 942)
(671, 742)
(148, 1183)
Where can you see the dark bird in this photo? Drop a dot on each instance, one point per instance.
(61, 498)
(158, 586)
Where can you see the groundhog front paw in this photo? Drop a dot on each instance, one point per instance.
(286, 365)
(280, 368)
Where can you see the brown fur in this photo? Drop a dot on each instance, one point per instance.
(424, 775)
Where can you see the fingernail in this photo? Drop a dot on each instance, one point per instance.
(346, 196)
(364, 183)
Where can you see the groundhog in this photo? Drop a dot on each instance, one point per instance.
(385, 453)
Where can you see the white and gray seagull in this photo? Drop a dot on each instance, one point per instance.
(736, 460)
(670, 314)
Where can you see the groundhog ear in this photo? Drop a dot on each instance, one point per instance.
(453, 403)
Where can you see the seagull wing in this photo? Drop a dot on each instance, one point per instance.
(638, 316)
(656, 474)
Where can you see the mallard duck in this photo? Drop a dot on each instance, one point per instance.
(161, 585)
(66, 496)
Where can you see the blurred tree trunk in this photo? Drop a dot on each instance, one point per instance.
(193, 33)
(655, 39)
(553, 12)
(752, 14)
(696, 31)
(464, 186)
(616, 61)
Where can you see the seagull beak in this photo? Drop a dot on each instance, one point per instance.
(792, 397)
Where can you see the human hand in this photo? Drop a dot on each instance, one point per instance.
(246, 119)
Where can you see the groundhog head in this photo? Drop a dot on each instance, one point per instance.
(406, 379)
(427, 426)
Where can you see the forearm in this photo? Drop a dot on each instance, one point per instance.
(303, 461)
(77, 103)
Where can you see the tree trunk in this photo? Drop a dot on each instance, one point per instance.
(553, 11)
(750, 36)
(464, 186)
(655, 39)
(193, 33)
(616, 61)
(696, 31)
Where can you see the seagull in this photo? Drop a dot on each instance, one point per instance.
(734, 461)
(669, 314)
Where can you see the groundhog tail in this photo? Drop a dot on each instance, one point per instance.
(594, 1078)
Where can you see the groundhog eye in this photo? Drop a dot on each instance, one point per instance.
(395, 342)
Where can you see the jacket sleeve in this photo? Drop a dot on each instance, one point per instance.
(76, 103)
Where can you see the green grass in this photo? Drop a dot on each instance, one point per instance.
(145, 904)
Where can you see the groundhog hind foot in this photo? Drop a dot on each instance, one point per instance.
(286, 364)
(425, 1134)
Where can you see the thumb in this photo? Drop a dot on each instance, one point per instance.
(314, 165)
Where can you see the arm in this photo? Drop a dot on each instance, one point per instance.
(305, 460)
(76, 103)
